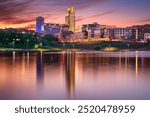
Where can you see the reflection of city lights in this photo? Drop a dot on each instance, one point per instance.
(28, 56)
(136, 65)
(23, 64)
(72, 91)
(70, 76)
(126, 61)
(63, 58)
(120, 61)
(41, 53)
(14, 56)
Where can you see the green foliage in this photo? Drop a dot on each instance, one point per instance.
(17, 40)
(49, 40)
(10, 39)
(97, 47)
(36, 46)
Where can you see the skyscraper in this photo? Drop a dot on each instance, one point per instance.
(39, 24)
(70, 18)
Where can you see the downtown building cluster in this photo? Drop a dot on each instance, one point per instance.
(134, 33)
(68, 30)
(65, 31)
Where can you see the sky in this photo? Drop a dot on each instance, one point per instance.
(122, 13)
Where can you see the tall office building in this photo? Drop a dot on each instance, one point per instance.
(39, 24)
(70, 18)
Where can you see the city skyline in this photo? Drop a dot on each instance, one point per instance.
(22, 14)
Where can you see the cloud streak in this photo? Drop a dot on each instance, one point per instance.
(12, 12)
(146, 20)
(102, 14)
(96, 15)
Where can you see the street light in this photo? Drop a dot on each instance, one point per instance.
(41, 44)
(73, 45)
(13, 44)
(109, 47)
(128, 45)
(17, 39)
(63, 44)
(27, 42)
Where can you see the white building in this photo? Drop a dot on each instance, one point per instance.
(122, 33)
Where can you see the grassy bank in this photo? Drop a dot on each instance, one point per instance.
(38, 49)
(103, 46)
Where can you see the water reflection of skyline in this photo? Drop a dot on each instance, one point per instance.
(43, 72)
(70, 73)
(67, 62)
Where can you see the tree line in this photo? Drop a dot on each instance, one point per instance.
(10, 39)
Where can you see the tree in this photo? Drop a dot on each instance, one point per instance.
(97, 47)
(49, 40)
(29, 40)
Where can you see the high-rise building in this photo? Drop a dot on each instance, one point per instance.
(70, 18)
(39, 24)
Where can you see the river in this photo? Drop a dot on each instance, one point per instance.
(75, 75)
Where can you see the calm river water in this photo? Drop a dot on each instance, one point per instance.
(75, 75)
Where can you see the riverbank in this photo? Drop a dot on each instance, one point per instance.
(90, 46)
(30, 50)
(105, 46)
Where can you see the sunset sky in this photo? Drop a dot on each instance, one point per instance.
(122, 13)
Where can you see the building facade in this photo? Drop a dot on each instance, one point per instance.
(39, 24)
(147, 37)
(70, 18)
(122, 33)
(139, 31)
(65, 33)
(91, 31)
(52, 29)
(107, 31)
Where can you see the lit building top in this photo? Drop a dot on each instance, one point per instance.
(70, 18)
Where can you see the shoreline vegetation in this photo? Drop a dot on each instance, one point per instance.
(87, 46)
